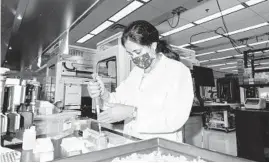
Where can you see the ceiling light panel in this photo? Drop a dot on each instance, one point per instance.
(145, 0)
(126, 11)
(254, 2)
(258, 68)
(238, 47)
(101, 27)
(231, 33)
(226, 68)
(231, 63)
(184, 27)
(217, 65)
(232, 9)
(238, 55)
(265, 63)
(248, 28)
(204, 61)
(85, 38)
(199, 55)
(258, 43)
(217, 15)
(207, 39)
(185, 45)
(215, 59)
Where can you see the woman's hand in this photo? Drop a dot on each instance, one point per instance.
(116, 113)
(97, 88)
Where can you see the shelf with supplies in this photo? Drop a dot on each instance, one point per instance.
(254, 85)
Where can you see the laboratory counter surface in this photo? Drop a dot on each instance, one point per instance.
(128, 145)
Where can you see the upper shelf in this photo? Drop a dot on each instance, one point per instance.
(254, 85)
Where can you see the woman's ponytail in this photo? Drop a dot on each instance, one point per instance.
(166, 49)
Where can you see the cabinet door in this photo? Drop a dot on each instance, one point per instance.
(193, 131)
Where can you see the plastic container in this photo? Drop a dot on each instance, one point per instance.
(29, 139)
(54, 124)
(4, 121)
(71, 147)
(43, 150)
(44, 108)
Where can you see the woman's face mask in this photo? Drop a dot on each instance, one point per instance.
(142, 56)
(144, 61)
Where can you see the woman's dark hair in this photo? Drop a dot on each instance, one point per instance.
(144, 33)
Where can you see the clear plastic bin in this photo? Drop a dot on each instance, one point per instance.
(51, 125)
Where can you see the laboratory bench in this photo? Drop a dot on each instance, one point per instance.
(125, 145)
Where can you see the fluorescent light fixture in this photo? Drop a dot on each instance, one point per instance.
(19, 17)
(225, 68)
(235, 70)
(203, 61)
(185, 45)
(256, 64)
(231, 63)
(239, 55)
(231, 33)
(258, 68)
(178, 29)
(208, 18)
(265, 63)
(145, 0)
(217, 65)
(253, 2)
(199, 55)
(85, 38)
(232, 9)
(215, 59)
(101, 27)
(126, 11)
(248, 28)
(258, 43)
(238, 47)
(207, 39)
(217, 15)
(10, 48)
(181, 46)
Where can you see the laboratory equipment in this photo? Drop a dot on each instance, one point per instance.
(4, 119)
(14, 118)
(228, 89)
(255, 103)
(220, 117)
(203, 76)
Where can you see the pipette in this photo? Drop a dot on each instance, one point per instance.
(97, 105)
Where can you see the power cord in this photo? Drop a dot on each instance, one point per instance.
(178, 17)
(227, 31)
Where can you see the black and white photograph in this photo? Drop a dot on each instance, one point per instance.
(134, 80)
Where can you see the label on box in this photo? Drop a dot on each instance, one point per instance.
(67, 125)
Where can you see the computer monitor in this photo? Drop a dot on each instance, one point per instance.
(203, 76)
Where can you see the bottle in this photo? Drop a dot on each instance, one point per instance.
(4, 121)
(28, 145)
(27, 117)
(12, 115)
(13, 120)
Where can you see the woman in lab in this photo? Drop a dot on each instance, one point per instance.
(156, 98)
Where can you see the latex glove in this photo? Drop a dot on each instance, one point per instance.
(116, 113)
(97, 88)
